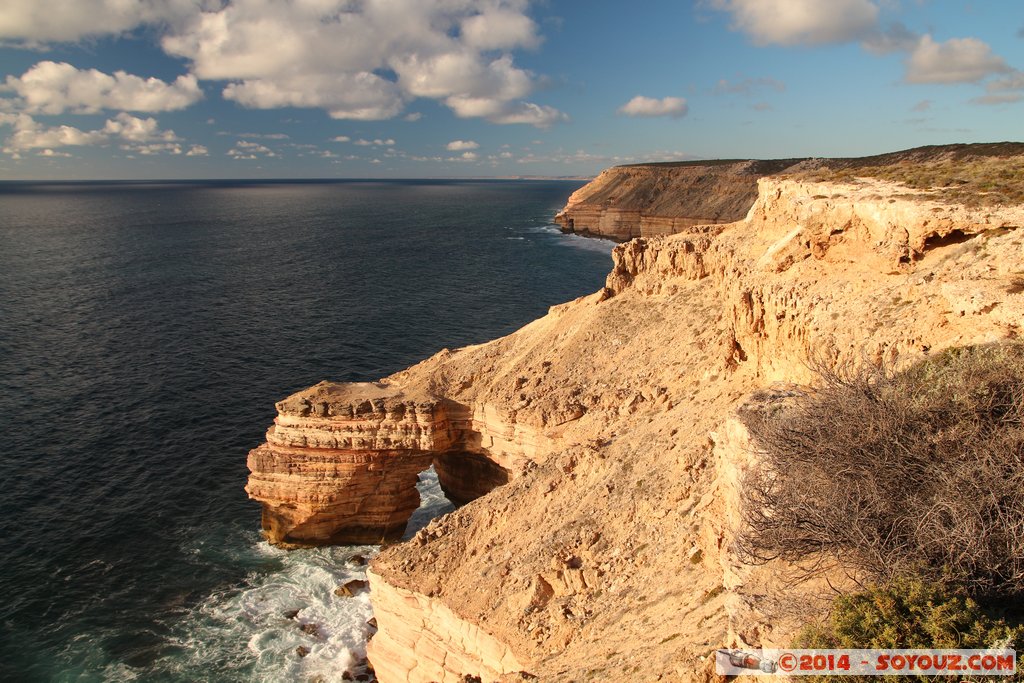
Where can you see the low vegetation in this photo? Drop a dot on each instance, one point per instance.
(908, 614)
(974, 175)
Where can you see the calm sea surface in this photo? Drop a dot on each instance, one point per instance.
(145, 332)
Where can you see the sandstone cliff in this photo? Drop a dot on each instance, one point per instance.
(607, 555)
(648, 200)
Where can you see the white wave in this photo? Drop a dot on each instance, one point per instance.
(253, 632)
(565, 239)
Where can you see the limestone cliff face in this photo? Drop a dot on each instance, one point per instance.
(663, 199)
(607, 555)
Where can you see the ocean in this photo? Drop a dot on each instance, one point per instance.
(146, 330)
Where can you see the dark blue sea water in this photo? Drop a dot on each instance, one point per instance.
(145, 332)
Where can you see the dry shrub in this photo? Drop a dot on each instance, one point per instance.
(915, 473)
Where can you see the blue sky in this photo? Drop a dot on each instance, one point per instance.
(491, 88)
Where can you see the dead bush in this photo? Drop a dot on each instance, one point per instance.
(919, 472)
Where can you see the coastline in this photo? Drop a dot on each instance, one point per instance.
(611, 418)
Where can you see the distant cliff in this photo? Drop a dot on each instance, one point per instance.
(651, 200)
(648, 200)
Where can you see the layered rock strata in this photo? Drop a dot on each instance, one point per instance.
(340, 463)
(608, 554)
(649, 200)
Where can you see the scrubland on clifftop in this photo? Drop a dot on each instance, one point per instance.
(611, 553)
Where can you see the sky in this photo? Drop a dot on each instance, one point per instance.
(161, 89)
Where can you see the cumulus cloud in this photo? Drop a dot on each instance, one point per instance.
(329, 54)
(957, 60)
(341, 138)
(801, 22)
(675, 107)
(33, 22)
(154, 148)
(500, 28)
(244, 149)
(56, 87)
(460, 145)
(135, 129)
(356, 60)
(135, 132)
(530, 114)
(30, 134)
(376, 142)
(197, 151)
(360, 96)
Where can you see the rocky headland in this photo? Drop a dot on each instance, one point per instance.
(597, 451)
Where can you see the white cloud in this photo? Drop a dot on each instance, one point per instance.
(675, 107)
(30, 134)
(154, 148)
(957, 60)
(341, 138)
(499, 28)
(459, 145)
(540, 116)
(413, 116)
(328, 54)
(142, 135)
(134, 129)
(244, 149)
(801, 22)
(52, 153)
(376, 142)
(56, 87)
(466, 156)
(34, 22)
(197, 151)
(359, 96)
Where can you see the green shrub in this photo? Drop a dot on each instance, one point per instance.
(907, 614)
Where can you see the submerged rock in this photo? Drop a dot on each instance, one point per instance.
(351, 588)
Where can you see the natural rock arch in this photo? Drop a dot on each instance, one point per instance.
(340, 462)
